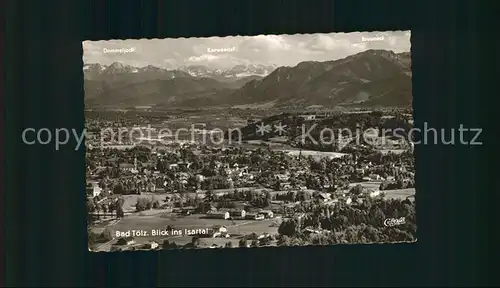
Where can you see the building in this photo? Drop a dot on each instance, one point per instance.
(321, 116)
(324, 197)
(254, 216)
(253, 121)
(188, 210)
(205, 207)
(374, 193)
(153, 245)
(236, 213)
(218, 215)
(307, 117)
(219, 228)
(167, 208)
(375, 177)
(183, 176)
(310, 230)
(93, 189)
(266, 213)
(126, 167)
(264, 235)
(199, 178)
(219, 231)
(282, 177)
(183, 165)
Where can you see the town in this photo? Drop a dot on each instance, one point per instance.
(268, 189)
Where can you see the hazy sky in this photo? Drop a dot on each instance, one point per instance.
(281, 50)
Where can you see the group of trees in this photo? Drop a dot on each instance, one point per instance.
(255, 198)
(195, 243)
(294, 196)
(95, 207)
(398, 184)
(98, 238)
(350, 122)
(355, 234)
(147, 204)
(261, 199)
(366, 217)
(244, 242)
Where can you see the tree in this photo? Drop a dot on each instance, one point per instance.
(267, 198)
(318, 166)
(173, 245)
(277, 185)
(93, 238)
(98, 209)
(384, 185)
(243, 243)
(229, 245)
(289, 227)
(208, 171)
(156, 204)
(168, 245)
(283, 240)
(255, 243)
(143, 204)
(377, 217)
(356, 190)
(265, 241)
(371, 234)
(119, 189)
(107, 234)
(195, 241)
(91, 207)
(119, 212)
(209, 195)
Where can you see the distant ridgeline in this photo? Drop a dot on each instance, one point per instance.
(374, 78)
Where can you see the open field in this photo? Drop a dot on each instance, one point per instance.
(320, 154)
(131, 200)
(367, 185)
(399, 193)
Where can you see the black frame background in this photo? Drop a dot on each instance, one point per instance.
(45, 239)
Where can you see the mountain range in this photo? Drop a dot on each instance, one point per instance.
(369, 78)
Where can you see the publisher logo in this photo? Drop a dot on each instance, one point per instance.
(391, 222)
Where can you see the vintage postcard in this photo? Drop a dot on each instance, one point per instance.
(249, 141)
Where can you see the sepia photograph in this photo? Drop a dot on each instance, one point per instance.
(249, 141)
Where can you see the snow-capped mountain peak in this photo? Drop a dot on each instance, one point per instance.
(97, 71)
(236, 72)
(118, 67)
